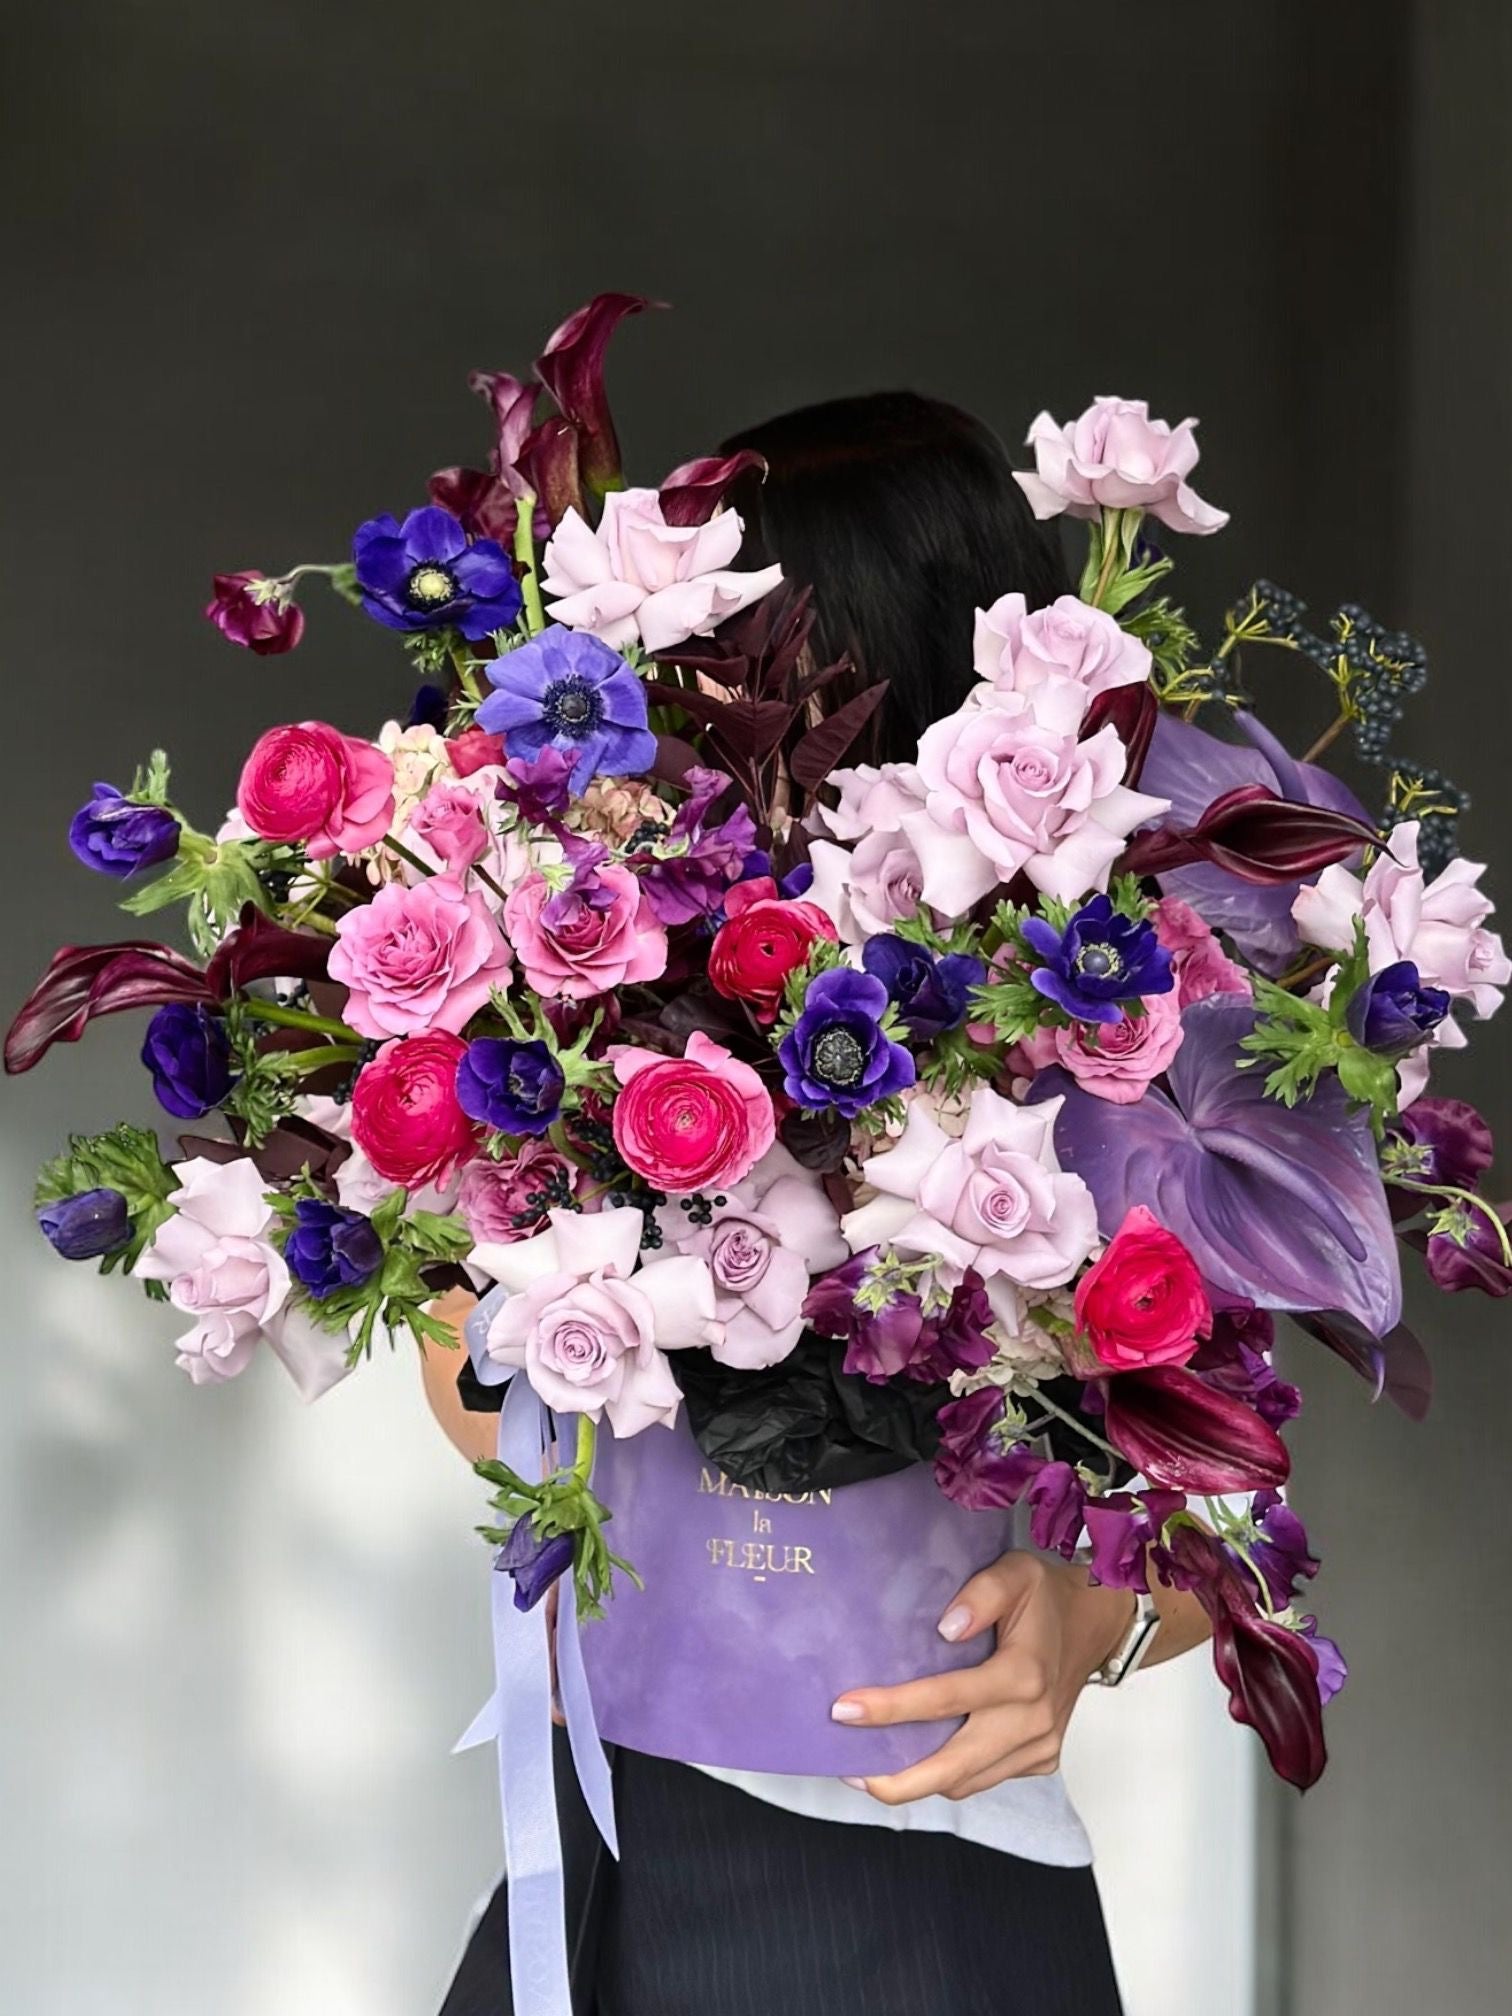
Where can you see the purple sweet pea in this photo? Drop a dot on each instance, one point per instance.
(1099, 960)
(897, 1340)
(1235, 1358)
(1466, 1250)
(1121, 1527)
(537, 787)
(189, 1057)
(837, 1054)
(256, 611)
(1281, 1552)
(331, 1247)
(1442, 1141)
(514, 1087)
(969, 1466)
(1058, 1502)
(424, 574)
(87, 1225)
(686, 870)
(1393, 1012)
(116, 837)
(929, 994)
(1332, 1671)
(567, 690)
(533, 1562)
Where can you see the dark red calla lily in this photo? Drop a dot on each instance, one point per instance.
(1181, 1433)
(1133, 710)
(1255, 835)
(571, 367)
(1271, 1673)
(83, 981)
(693, 492)
(259, 949)
(549, 464)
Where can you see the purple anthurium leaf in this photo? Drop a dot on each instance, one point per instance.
(1396, 1364)
(1283, 1206)
(83, 981)
(1185, 1435)
(1133, 711)
(259, 949)
(571, 367)
(1192, 769)
(693, 492)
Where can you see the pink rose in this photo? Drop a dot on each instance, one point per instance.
(1116, 458)
(639, 578)
(762, 1245)
(1117, 1060)
(418, 958)
(449, 826)
(1069, 648)
(696, 1122)
(588, 939)
(501, 1200)
(1009, 795)
(310, 783)
(1199, 963)
(995, 1200)
(586, 1328)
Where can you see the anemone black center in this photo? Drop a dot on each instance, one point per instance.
(1099, 962)
(838, 1056)
(429, 585)
(571, 707)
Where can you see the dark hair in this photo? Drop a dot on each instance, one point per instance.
(901, 513)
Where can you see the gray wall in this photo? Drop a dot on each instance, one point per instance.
(250, 258)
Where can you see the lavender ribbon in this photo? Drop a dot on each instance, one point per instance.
(517, 1718)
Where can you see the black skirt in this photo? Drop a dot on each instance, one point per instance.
(722, 1905)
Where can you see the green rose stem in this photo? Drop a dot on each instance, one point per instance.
(582, 1467)
(297, 1018)
(306, 1061)
(524, 552)
(405, 854)
(1114, 544)
(1043, 1399)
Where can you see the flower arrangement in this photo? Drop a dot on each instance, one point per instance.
(1022, 1083)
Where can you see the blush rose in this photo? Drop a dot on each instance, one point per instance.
(418, 958)
(579, 943)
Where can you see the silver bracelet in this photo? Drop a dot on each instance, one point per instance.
(1129, 1653)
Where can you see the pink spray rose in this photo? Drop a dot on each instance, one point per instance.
(1117, 1060)
(995, 1200)
(587, 1328)
(418, 958)
(1199, 963)
(309, 782)
(450, 827)
(696, 1122)
(772, 1233)
(639, 578)
(1069, 647)
(1116, 458)
(586, 939)
(1009, 794)
(500, 1200)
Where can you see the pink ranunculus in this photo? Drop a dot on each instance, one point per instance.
(772, 1233)
(995, 1200)
(701, 1121)
(1068, 649)
(585, 940)
(310, 783)
(637, 578)
(496, 1197)
(1008, 794)
(418, 958)
(588, 1330)
(1116, 458)
(1198, 961)
(1438, 925)
(1118, 1060)
(1143, 1303)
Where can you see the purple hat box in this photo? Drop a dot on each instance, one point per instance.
(758, 1611)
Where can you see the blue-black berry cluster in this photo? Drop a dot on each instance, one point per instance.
(1436, 803)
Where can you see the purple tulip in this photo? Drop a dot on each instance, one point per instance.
(533, 1562)
(189, 1057)
(331, 1248)
(424, 574)
(514, 1087)
(837, 1055)
(1393, 1012)
(87, 1225)
(115, 836)
(929, 994)
(567, 690)
(1099, 960)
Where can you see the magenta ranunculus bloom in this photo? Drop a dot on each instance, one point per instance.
(1116, 458)
(418, 959)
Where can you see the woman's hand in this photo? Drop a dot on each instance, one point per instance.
(1054, 1628)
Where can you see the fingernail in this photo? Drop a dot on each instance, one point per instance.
(847, 1711)
(856, 1784)
(955, 1623)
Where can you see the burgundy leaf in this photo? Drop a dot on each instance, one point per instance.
(819, 1141)
(549, 464)
(83, 981)
(692, 493)
(259, 949)
(748, 729)
(571, 367)
(825, 746)
(1133, 711)
(1181, 1433)
(1254, 835)
(674, 759)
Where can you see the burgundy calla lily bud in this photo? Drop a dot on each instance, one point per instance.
(83, 981)
(571, 367)
(549, 461)
(1179, 1432)
(1254, 835)
(1133, 711)
(259, 949)
(256, 611)
(693, 492)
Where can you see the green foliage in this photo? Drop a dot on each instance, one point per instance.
(126, 1159)
(1172, 644)
(1302, 1040)
(394, 1297)
(563, 1503)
